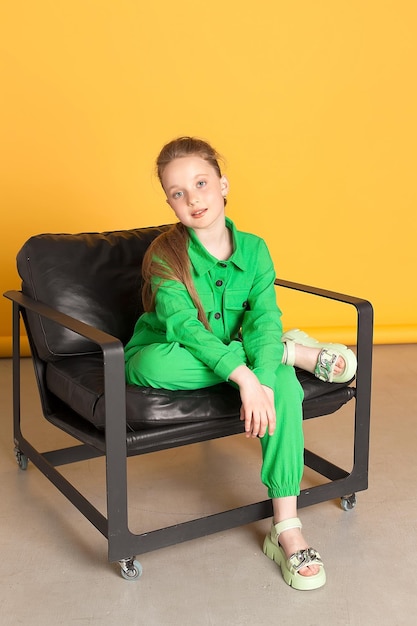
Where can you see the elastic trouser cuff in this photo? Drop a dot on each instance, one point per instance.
(284, 492)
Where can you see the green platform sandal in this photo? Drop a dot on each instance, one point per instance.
(329, 353)
(290, 568)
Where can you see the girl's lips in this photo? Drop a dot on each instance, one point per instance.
(198, 213)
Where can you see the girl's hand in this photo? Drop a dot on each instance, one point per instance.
(257, 410)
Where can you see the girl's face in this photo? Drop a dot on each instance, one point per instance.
(194, 191)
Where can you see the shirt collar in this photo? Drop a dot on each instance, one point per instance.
(203, 261)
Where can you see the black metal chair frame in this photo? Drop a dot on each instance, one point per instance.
(123, 545)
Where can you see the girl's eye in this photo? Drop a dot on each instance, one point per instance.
(177, 195)
(201, 183)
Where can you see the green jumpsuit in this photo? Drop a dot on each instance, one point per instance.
(171, 349)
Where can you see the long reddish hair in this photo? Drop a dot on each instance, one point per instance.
(167, 256)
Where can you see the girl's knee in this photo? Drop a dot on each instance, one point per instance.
(145, 366)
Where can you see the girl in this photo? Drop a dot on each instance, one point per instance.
(211, 316)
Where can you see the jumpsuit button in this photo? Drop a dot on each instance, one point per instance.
(223, 264)
(219, 283)
(245, 304)
(217, 316)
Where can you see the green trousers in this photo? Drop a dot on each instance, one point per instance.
(170, 366)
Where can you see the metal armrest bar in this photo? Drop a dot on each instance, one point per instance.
(364, 344)
(115, 403)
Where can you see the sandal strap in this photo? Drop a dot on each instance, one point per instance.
(288, 524)
(289, 348)
(304, 558)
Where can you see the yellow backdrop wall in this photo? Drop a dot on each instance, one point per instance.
(313, 105)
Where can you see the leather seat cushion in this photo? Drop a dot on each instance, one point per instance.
(79, 382)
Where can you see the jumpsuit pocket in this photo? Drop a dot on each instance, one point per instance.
(235, 304)
(236, 300)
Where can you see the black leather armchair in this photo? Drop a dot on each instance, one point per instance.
(79, 302)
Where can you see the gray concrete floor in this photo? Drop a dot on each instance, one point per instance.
(54, 569)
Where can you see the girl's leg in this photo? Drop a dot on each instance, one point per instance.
(283, 452)
(283, 460)
(168, 366)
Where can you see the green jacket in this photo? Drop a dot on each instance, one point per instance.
(238, 297)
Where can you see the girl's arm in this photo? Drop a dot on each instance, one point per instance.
(261, 326)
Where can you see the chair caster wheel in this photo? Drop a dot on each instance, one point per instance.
(348, 502)
(21, 459)
(130, 569)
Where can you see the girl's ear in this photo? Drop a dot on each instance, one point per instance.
(224, 186)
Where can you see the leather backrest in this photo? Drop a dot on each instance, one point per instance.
(94, 277)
